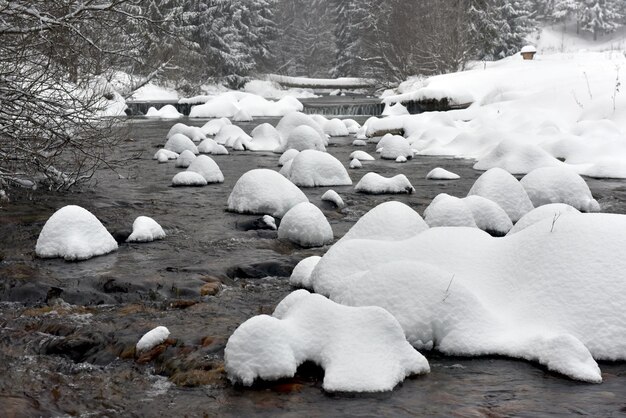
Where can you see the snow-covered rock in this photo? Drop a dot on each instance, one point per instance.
(352, 125)
(354, 164)
(538, 294)
(189, 178)
(242, 116)
(207, 168)
(395, 110)
(301, 274)
(270, 222)
(218, 150)
(304, 137)
(179, 143)
(401, 159)
(265, 192)
(360, 349)
(361, 156)
(559, 185)
(374, 183)
(388, 221)
(152, 338)
(229, 134)
(488, 215)
(517, 157)
(164, 155)
(264, 138)
(192, 132)
(446, 210)
(504, 189)
(166, 112)
(333, 197)
(441, 174)
(293, 120)
(74, 233)
(305, 225)
(288, 155)
(219, 107)
(394, 146)
(359, 143)
(335, 127)
(311, 168)
(207, 146)
(145, 229)
(185, 159)
(550, 211)
(212, 127)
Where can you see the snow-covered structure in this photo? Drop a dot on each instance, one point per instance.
(264, 192)
(373, 183)
(311, 168)
(309, 327)
(305, 225)
(208, 168)
(504, 189)
(559, 185)
(74, 233)
(146, 229)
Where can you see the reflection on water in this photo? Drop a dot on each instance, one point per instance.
(67, 330)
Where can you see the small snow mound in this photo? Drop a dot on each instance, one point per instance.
(270, 221)
(335, 127)
(401, 159)
(488, 215)
(304, 137)
(288, 155)
(441, 174)
(301, 275)
(189, 179)
(373, 183)
(264, 138)
(153, 338)
(207, 146)
(229, 134)
(359, 143)
(550, 211)
(504, 189)
(205, 166)
(74, 233)
(212, 127)
(166, 112)
(179, 143)
(394, 146)
(264, 191)
(333, 197)
(242, 116)
(352, 126)
(185, 159)
(516, 157)
(192, 132)
(294, 119)
(354, 164)
(305, 225)
(387, 222)
(362, 156)
(164, 155)
(395, 110)
(146, 229)
(360, 349)
(559, 185)
(311, 168)
(446, 210)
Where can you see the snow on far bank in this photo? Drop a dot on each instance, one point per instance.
(360, 349)
(74, 233)
(152, 92)
(558, 109)
(237, 103)
(538, 294)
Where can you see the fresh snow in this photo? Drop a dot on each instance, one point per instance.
(335, 127)
(550, 211)
(212, 127)
(311, 168)
(166, 112)
(373, 183)
(189, 178)
(305, 137)
(441, 174)
(207, 168)
(264, 192)
(354, 164)
(192, 132)
(361, 156)
(333, 197)
(145, 229)
(153, 338)
(301, 274)
(305, 225)
(360, 349)
(179, 143)
(74, 233)
(286, 156)
(264, 138)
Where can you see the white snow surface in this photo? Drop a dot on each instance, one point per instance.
(441, 174)
(354, 164)
(229, 134)
(374, 183)
(304, 137)
(333, 196)
(352, 126)
(207, 168)
(301, 274)
(359, 143)
(192, 132)
(164, 155)
(292, 121)
(189, 178)
(550, 211)
(242, 116)
(394, 146)
(213, 126)
(361, 156)
(166, 112)
(288, 155)
(231, 103)
(552, 294)
(559, 185)
(504, 189)
(264, 192)
(207, 146)
(335, 127)
(264, 138)
(145, 229)
(179, 143)
(311, 168)
(153, 338)
(305, 225)
(74, 233)
(360, 349)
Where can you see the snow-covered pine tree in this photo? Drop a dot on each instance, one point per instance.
(515, 21)
(600, 16)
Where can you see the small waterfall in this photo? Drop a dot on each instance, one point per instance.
(356, 109)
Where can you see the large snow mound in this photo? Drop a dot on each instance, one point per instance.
(305, 225)
(374, 183)
(311, 168)
(305, 137)
(504, 189)
(517, 157)
(145, 229)
(360, 349)
(550, 211)
(264, 192)
(559, 185)
(293, 120)
(74, 233)
(551, 293)
(264, 138)
(208, 168)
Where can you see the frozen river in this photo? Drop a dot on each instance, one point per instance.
(67, 330)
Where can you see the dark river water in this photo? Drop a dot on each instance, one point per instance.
(68, 330)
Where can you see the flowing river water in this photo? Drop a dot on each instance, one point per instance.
(68, 330)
